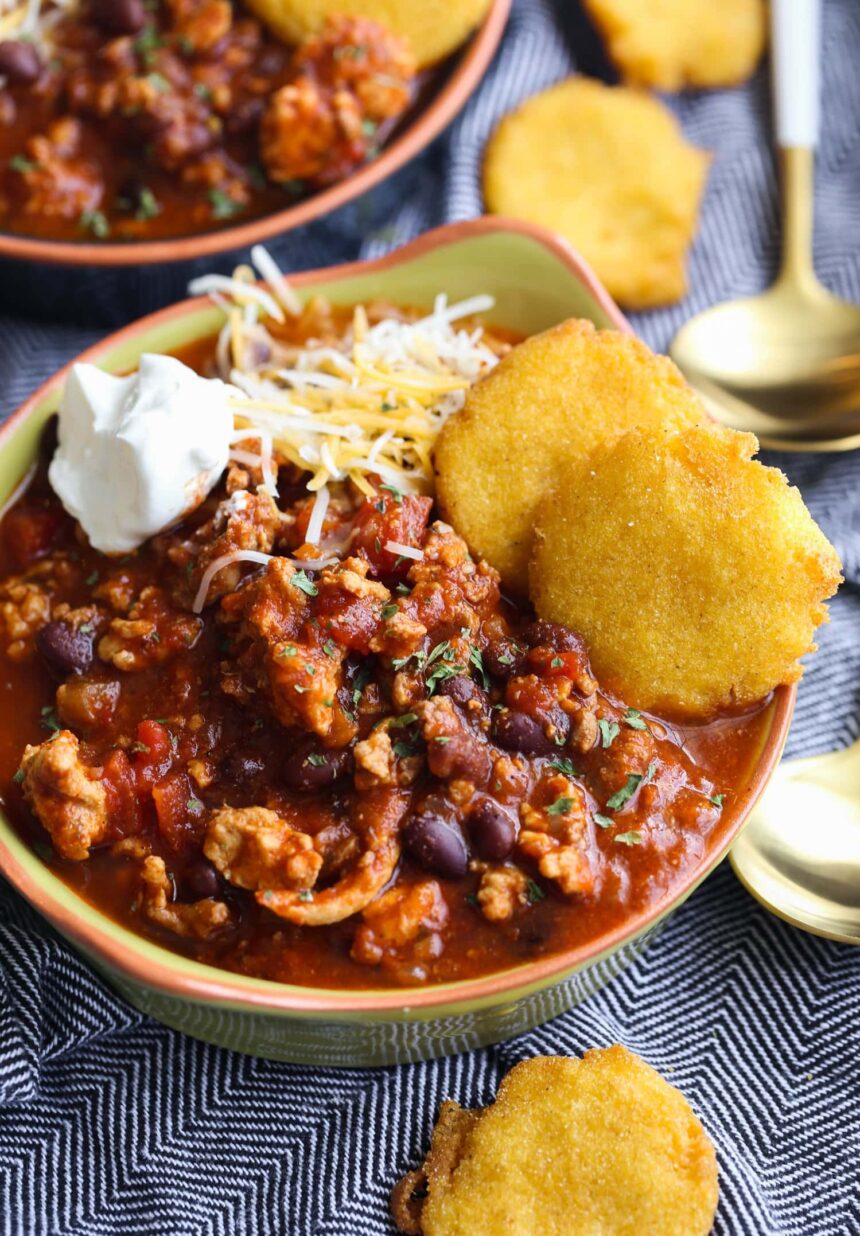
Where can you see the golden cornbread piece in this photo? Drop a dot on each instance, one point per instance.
(433, 28)
(610, 170)
(546, 405)
(695, 574)
(601, 1145)
(670, 44)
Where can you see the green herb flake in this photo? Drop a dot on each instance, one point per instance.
(631, 838)
(316, 761)
(441, 739)
(407, 719)
(49, 718)
(86, 629)
(388, 611)
(194, 805)
(306, 895)
(91, 579)
(158, 82)
(564, 765)
(95, 221)
(403, 589)
(392, 489)
(20, 163)
(301, 690)
(633, 717)
(477, 660)
(387, 407)
(441, 673)
(18, 777)
(289, 651)
(505, 658)
(380, 506)
(602, 821)
(223, 206)
(626, 792)
(556, 663)
(369, 127)
(561, 806)
(472, 900)
(147, 44)
(301, 581)
(330, 648)
(534, 892)
(147, 205)
(609, 731)
(203, 91)
(359, 683)
(717, 799)
(403, 750)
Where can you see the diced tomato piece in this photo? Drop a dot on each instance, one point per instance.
(549, 664)
(390, 517)
(121, 795)
(348, 620)
(153, 755)
(180, 813)
(29, 533)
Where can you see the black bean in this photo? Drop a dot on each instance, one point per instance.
(19, 62)
(201, 879)
(553, 635)
(517, 731)
(119, 16)
(313, 768)
(492, 831)
(461, 689)
(244, 766)
(64, 649)
(504, 659)
(436, 846)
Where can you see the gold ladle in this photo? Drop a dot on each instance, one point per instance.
(785, 364)
(799, 853)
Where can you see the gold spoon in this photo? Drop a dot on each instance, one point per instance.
(785, 364)
(800, 851)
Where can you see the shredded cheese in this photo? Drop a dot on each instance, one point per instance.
(237, 555)
(405, 551)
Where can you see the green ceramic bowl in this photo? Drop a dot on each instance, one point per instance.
(537, 280)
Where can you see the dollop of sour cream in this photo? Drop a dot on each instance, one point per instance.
(138, 453)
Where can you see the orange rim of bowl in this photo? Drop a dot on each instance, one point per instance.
(274, 997)
(427, 125)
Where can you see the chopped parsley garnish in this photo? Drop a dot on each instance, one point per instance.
(49, 718)
(609, 731)
(301, 690)
(140, 747)
(478, 661)
(631, 838)
(369, 127)
(359, 683)
(317, 761)
(633, 718)
(380, 506)
(350, 51)
(441, 739)
(92, 578)
(406, 719)
(392, 489)
(418, 657)
(534, 892)
(223, 205)
(327, 703)
(403, 589)
(95, 221)
(86, 629)
(388, 407)
(203, 91)
(442, 649)
(472, 900)
(158, 82)
(18, 777)
(556, 663)
(442, 672)
(505, 658)
(310, 669)
(403, 749)
(626, 792)
(194, 805)
(602, 821)
(147, 44)
(388, 611)
(300, 580)
(330, 648)
(306, 895)
(289, 651)
(20, 163)
(564, 765)
(147, 205)
(717, 799)
(561, 806)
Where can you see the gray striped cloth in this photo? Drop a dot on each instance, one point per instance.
(110, 1123)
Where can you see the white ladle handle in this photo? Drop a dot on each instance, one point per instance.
(796, 53)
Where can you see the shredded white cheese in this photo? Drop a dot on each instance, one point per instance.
(405, 551)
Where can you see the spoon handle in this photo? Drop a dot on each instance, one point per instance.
(796, 36)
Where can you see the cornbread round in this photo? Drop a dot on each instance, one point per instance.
(549, 402)
(659, 43)
(695, 574)
(609, 168)
(433, 28)
(574, 1147)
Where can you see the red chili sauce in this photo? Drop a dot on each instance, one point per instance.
(381, 772)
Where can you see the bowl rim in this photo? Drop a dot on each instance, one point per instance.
(430, 121)
(226, 988)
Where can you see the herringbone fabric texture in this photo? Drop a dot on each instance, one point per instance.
(111, 1124)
